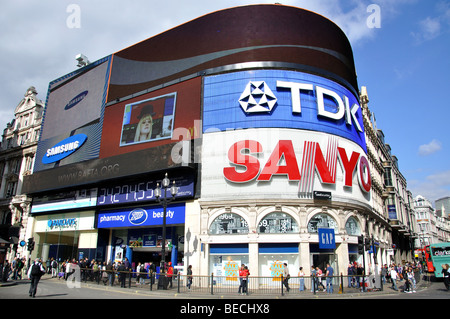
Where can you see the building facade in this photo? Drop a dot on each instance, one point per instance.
(261, 130)
(18, 148)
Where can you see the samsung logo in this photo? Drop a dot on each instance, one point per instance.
(77, 99)
(64, 148)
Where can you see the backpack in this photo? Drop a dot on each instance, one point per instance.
(36, 270)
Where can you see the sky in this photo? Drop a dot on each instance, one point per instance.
(401, 51)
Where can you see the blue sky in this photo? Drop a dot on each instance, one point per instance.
(403, 61)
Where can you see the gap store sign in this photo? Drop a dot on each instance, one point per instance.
(142, 216)
(281, 99)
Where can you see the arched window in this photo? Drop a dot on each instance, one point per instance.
(321, 221)
(228, 223)
(352, 227)
(278, 223)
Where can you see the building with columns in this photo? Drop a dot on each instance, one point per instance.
(393, 217)
(18, 148)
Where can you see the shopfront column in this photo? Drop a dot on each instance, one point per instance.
(305, 260)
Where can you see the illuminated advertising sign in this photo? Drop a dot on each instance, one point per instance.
(153, 119)
(64, 148)
(148, 120)
(139, 191)
(146, 216)
(281, 99)
(284, 163)
(72, 122)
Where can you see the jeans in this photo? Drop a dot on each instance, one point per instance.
(329, 285)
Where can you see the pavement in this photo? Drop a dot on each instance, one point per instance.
(294, 294)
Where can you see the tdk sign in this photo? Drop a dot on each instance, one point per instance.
(64, 148)
(281, 99)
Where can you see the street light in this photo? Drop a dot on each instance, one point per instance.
(164, 201)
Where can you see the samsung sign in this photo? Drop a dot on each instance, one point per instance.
(64, 148)
(281, 99)
(146, 216)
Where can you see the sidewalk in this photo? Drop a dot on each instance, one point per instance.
(172, 293)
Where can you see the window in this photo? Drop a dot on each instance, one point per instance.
(278, 223)
(228, 223)
(352, 227)
(387, 176)
(321, 221)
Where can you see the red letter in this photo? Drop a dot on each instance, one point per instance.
(322, 168)
(364, 170)
(349, 166)
(251, 163)
(272, 167)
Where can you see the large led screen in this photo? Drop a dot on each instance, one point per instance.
(153, 119)
(281, 99)
(72, 124)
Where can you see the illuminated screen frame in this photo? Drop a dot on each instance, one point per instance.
(161, 111)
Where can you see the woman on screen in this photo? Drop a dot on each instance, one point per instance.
(145, 125)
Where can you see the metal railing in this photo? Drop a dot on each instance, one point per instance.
(223, 285)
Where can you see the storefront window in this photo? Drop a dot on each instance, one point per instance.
(321, 221)
(229, 223)
(278, 223)
(352, 227)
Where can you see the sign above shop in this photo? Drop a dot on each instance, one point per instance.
(146, 216)
(326, 238)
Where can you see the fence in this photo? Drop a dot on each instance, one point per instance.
(222, 285)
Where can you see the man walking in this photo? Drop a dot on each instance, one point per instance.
(329, 276)
(35, 273)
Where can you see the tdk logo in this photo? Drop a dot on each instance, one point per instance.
(258, 98)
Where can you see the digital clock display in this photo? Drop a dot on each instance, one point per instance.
(139, 191)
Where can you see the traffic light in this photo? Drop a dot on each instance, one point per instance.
(361, 244)
(30, 244)
(367, 243)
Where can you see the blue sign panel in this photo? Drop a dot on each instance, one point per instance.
(281, 99)
(146, 216)
(64, 148)
(326, 238)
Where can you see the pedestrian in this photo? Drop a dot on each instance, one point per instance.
(350, 275)
(241, 279)
(54, 265)
(393, 274)
(301, 276)
(189, 276)
(110, 272)
(446, 275)
(170, 274)
(383, 273)
(286, 276)
(245, 281)
(140, 269)
(313, 279)
(329, 274)
(35, 273)
(122, 276)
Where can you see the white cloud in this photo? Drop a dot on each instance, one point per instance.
(430, 148)
(433, 187)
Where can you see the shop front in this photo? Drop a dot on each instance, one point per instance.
(136, 233)
(66, 236)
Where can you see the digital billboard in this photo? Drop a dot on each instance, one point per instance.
(72, 123)
(281, 99)
(153, 119)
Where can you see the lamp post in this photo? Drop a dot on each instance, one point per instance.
(165, 183)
